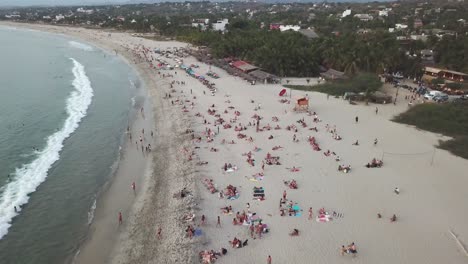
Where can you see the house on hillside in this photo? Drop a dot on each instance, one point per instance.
(201, 23)
(275, 26)
(346, 13)
(309, 33)
(289, 27)
(364, 17)
(417, 23)
(220, 25)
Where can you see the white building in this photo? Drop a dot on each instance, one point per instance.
(383, 13)
(220, 25)
(401, 26)
(86, 11)
(364, 17)
(12, 16)
(346, 13)
(59, 17)
(289, 27)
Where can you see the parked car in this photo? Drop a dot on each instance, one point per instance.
(440, 98)
(430, 95)
(461, 99)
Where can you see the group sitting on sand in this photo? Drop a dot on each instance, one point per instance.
(350, 249)
(375, 163)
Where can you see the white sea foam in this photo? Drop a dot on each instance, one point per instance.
(80, 45)
(91, 212)
(30, 176)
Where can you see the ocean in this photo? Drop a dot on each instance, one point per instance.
(64, 109)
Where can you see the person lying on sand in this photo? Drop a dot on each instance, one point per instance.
(295, 232)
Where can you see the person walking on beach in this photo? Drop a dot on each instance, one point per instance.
(120, 218)
(133, 187)
(159, 233)
(218, 224)
(376, 110)
(375, 142)
(202, 220)
(310, 213)
(357, 119)
(284, 194)
(269, 259)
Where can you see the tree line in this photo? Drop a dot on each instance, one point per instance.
(293, 54)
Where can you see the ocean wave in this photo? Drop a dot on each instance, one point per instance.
(91, 212)
(28, 177)
(79, 45)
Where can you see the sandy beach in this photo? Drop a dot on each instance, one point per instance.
(189, 151)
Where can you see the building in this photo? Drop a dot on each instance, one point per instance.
(59, 17)
(289, 27)
(419, 37)
(332, 74)
(417, 23)
(220, 25)
(400, 26)
(434, 73)
(201, 23)
(346, 13)
(383, 13)
(309, 33)
(243, 66)
(427, 56)
(364, 17)
(85, 11)
(275, 26)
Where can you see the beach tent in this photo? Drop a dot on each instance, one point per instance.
(302, 104)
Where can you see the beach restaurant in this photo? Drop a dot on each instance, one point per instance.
(243, 66)
(434, 73)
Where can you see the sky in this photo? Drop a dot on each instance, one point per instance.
(56, 2)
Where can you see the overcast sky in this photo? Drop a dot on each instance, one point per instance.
(56, 2)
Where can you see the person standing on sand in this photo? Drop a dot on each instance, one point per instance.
(120, 218)
(310, 213)
(218, 224)
(133, 187)
(284, 194)
(202, 220)
(159, 233)
(269, 259)
(376, 110)
(357, 119)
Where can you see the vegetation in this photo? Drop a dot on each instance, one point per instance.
(345, 44)
(362, 83)
(447, 119)
(452, 52)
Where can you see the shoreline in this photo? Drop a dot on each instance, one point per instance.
(102, 240)
(431, 190)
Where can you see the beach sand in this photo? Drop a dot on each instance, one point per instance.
(432, 182)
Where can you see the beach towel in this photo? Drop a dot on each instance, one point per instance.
(323, 218)
(298, 210)
(234, 197)
(198, 232)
